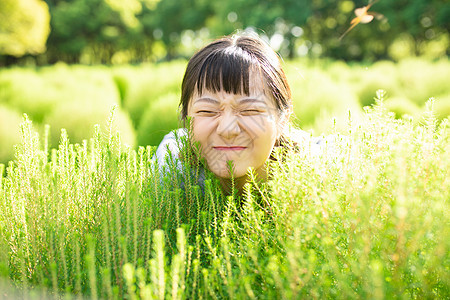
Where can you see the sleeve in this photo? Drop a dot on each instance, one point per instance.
(317, 145)
(168, 151)
(168, 161)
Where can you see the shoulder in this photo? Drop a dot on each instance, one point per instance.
(174, 135)
(169, 148)
(314, 144)
(302, 137)
(169, 160)
(171, 141)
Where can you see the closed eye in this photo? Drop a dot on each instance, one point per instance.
(250, 112)
(206, 112)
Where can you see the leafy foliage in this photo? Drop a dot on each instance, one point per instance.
(160, 117)
(116, 32)
(366, 217)
(9, 133)
(24, 27)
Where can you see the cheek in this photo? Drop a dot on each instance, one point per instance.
(202, 129)
(263, 129)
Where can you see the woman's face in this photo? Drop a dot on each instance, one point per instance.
(235, 127)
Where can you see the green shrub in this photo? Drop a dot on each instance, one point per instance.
(442, 106)
(147, 83)
(373, 80)
(160, 117)
(317, 97)
(9, 132)
(78, 119)
(414, 80)
(402, 106)
(323, 90)
(421, 80)
(71, 97)
(122, 86)
(38, 92)
(365, 218)
(27, 92)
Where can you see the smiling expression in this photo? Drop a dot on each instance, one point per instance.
(235, 127)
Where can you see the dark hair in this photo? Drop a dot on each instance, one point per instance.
(227, 63)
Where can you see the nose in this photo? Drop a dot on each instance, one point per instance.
(228, 126)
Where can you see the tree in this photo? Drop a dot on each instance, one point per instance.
(24, 27)
(171, 17)
(95, 30)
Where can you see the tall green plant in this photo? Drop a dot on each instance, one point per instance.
(366, 216)
(80, 213)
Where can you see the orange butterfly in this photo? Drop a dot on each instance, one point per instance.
(362, 16)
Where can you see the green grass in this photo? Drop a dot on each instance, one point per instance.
(367, 218)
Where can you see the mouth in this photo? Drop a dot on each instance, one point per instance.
(230, 148)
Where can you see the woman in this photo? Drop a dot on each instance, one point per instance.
(237, 98)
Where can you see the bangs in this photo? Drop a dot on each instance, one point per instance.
(226, 70)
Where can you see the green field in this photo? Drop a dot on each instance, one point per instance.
(84, 213)
(78, 97)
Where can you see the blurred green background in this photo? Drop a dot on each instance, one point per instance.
(66, 63)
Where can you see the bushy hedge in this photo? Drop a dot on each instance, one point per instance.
(145, 84)
(76, 97)
(70, 97)
(410, 82)
(159, 118)
(9, 133)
